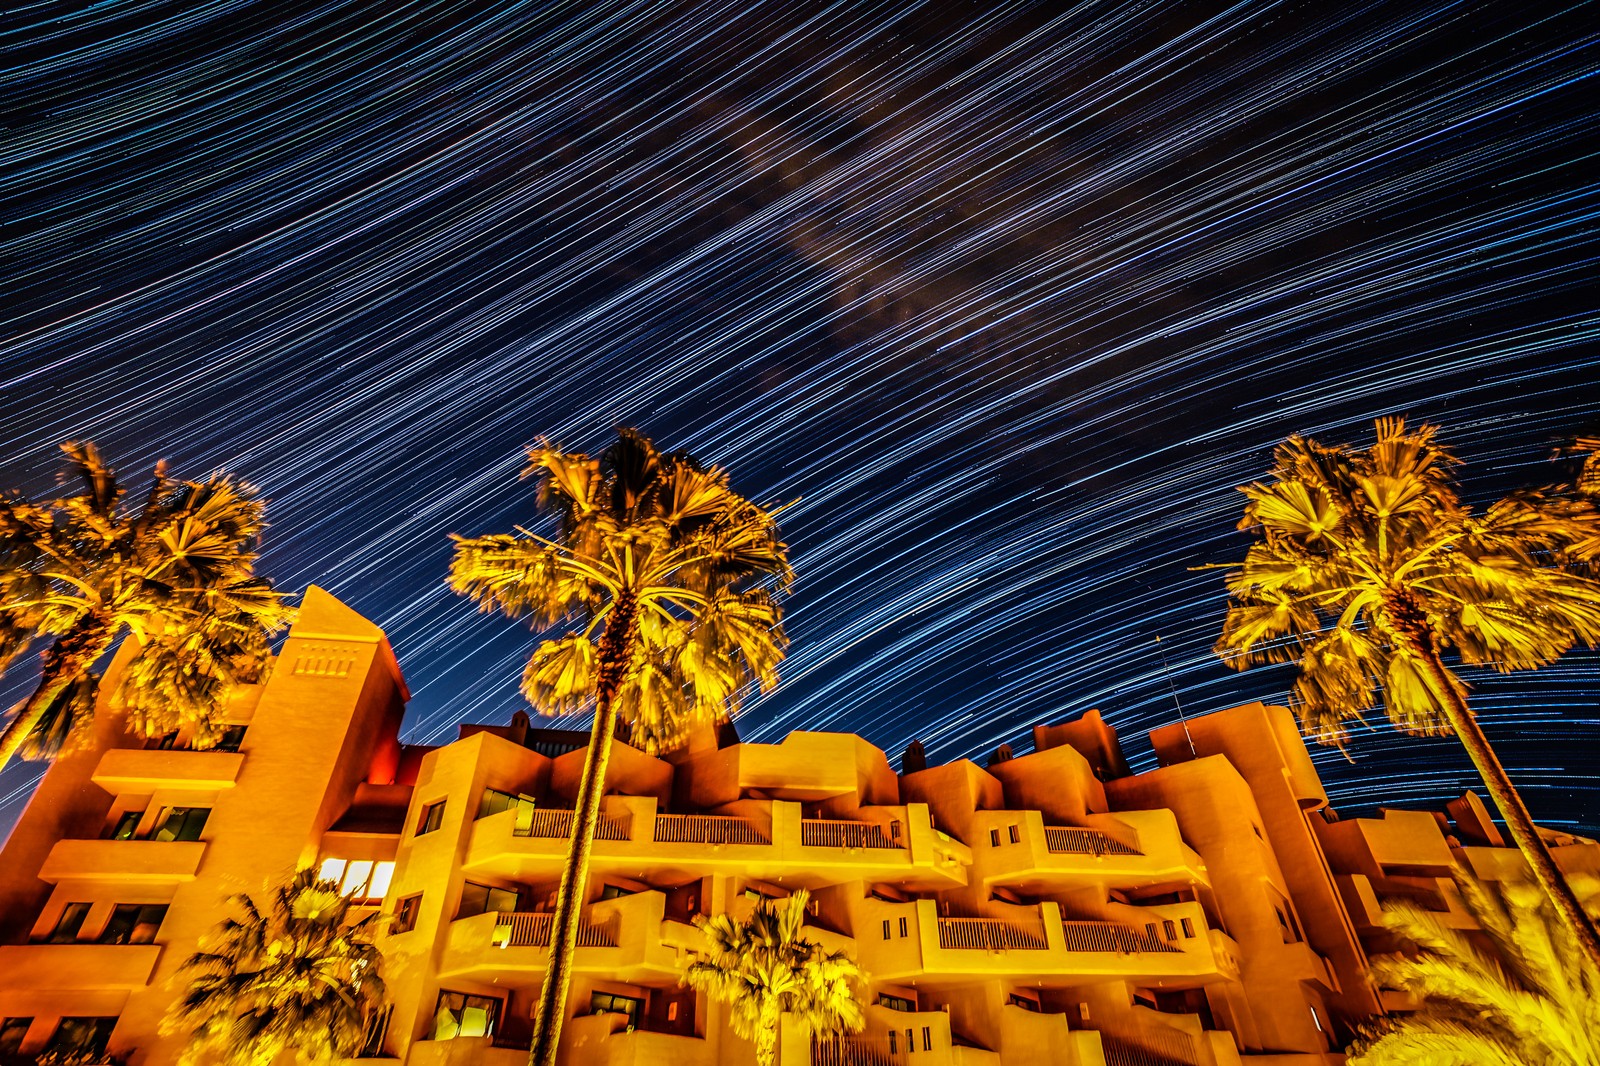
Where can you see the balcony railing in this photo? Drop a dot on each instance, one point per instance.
(557, 823)
(990, 934)
(1111, 937)
(1147, 1048)
(824, 833)
(850, 1051)
(522, 929)
(708, 829)
(1064, 840)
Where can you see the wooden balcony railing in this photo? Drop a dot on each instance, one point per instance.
(1148, 1047)
(990, 934)
(708, 829)
(1064, 840)
(556, 822)
(1111, 937)
(522, 929)
(825, 833)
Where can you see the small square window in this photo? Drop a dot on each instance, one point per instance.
(432, 818)
(405, 913)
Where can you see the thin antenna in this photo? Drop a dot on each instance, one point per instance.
(1175, 701)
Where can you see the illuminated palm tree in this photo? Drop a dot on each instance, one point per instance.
(177, 571)
(670, 584)
(1369, 566)
(1521, 994)
(297, 978)
(764, 968)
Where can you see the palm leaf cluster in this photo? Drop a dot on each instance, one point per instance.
(1519, 993)
(1369, 561)
(297, 978)
(765, 967)
(656, 551)
(175, 568)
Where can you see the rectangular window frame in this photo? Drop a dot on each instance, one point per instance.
(491, 1005)
(405, 913)
(432, 818)
(133, 923)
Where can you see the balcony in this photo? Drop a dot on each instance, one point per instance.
(710, 829)
(531, 845)
(605, 1040)
(79, 967)
(478, 1050)
(1043, 857)
(123, 861)
(137, 770)
(851, 836)
(1035, 942)
(624, 936)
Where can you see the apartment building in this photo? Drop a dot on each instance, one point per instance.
(1047, 908)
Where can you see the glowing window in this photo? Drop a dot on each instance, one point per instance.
(362, 880)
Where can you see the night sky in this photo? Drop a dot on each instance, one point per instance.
(1010, 297)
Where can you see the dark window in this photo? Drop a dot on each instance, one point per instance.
(896, 1003)
(479, 899)
(12, 1030)
(1170, 929)
(67, 926)
(893, 1048)
(377, 1028)
(927, 1038)
(1024, 1002)
(127, 825)
(182, 823)
(230, 739)
(1188, 927)
(614, 892)
(886, 929)
(494, 802)
(894, 829)
(432, 817)
(82, 1036)
(1015, 838)
(994, 842)
(607, 1003)
(1150, 930)
(134, 923)
(460, 1014)
(903, 930)
(168, 742)
(405, 913)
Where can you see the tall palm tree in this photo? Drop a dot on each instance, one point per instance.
(176, 570)
(1521, 994)
(1369, 566)
(764, 967)
(668, 584)
(298, 978)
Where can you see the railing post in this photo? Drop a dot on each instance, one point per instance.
(1055, 934)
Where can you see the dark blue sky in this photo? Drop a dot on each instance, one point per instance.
(1008, 299)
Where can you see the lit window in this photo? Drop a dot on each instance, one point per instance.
(362, 880)
(460, 1014)
(480, 899)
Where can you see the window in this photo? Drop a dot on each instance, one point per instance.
(67, 926)
(480, 899)
(182, 823)
(614, 892)
(230, 739)
(1015, 837)
(893, 1049)
(894, 829)
(609, 1003)
(904, 931)
(82, 1036)
(134, 923)
(405, 913)
(1188, 927)
(1024, 1002)
(12, 1030)
(1170, 928)
(494, 802)
(896, 1003)
(361, 880)
(377, 1029)
(432, 816)
(927, 1038)
(994, 842)
(127, 825)
(886, 929)
(460, 1014)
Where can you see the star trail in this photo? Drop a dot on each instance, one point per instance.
(1007, 296)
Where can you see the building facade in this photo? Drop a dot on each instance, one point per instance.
(1048, 908)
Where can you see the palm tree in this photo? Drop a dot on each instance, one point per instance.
(765, 968)
(669, 583)
(177, 571)
(298, 978)
(1369, 566)
(1523, 993)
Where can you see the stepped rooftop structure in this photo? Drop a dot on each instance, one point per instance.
(1049, 908)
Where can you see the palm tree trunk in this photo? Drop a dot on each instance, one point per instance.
(62, 663)
(615, 655)
(1506, 797)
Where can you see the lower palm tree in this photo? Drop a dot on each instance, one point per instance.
(297, 978)
(764, 968)
(1523, 993)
